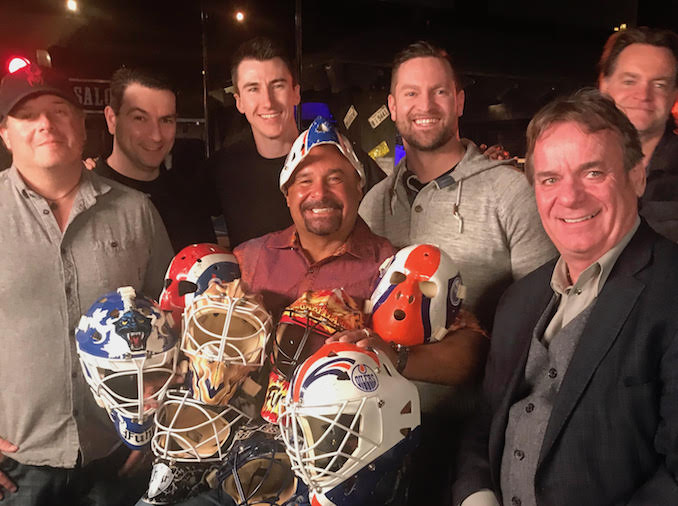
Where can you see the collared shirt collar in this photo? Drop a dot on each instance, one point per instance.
(598, 271)
(91, 186)
(413, 185)
(354, 245)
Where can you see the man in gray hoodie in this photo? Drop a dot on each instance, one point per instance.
(445, 192)
(482, 212)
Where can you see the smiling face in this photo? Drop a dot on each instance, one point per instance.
(145, 127)
(324, 194)
(586, 200)
(643, 85)
(45, 132)
(266, 96)
(425, 103)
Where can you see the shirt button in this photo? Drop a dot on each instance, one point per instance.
(552, 373)
(24, 193)
(75, 412)
(68, 290)
(45, 211)
(519, 454)
(418, 208)
(515, 501)
(63, 251)
(114, 244)
(577, 291)
(529, 408)
(74, 374)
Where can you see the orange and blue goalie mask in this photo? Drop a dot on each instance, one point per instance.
(418, 296)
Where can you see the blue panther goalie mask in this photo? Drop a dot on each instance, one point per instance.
(128, 353)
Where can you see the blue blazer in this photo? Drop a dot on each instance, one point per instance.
(613, 433)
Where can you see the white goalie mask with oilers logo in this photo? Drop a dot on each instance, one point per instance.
(128, 353)
(224, 338)
(347, 407)
(417, 297)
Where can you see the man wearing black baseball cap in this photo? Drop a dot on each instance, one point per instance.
(66, 237)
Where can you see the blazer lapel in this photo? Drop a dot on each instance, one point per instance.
(613, 306)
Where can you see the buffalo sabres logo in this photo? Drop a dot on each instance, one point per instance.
(135, 328)
(364, 378)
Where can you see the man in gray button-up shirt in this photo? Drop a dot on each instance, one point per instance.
(66, 237)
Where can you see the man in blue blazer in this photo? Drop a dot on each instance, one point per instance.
(581, 384)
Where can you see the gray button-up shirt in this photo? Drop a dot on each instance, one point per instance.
(114, 238)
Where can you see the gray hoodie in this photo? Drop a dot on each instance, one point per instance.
(483, 214)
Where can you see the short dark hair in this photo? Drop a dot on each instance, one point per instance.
(620, 40)
(424, 49)
(594, 112)
(125, 76)
(260, 49)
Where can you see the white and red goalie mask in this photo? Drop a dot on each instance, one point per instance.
(418, 296)
(189, 274)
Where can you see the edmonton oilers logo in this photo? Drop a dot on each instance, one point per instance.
(364, 378)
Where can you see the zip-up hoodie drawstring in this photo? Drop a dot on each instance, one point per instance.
(455, 209)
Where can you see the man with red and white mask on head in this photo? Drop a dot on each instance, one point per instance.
(66, 236)
(329, 246)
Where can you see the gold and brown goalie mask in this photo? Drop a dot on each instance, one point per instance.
(225, 334)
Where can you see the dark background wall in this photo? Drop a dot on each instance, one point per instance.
(515, 54)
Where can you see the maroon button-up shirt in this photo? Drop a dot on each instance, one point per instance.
(275, 266)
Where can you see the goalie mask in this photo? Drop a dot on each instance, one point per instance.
(348, 419)
(190, 272)
(302, 329)
(320, 132)
(418, 296)
(173, 482)
(128, 353)
(258, 470)
(190, 440)
(225, 333)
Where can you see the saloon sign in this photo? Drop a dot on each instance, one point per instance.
(93, 94)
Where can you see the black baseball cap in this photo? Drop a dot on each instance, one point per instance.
(33, 80)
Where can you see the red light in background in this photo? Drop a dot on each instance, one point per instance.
(17, 62)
